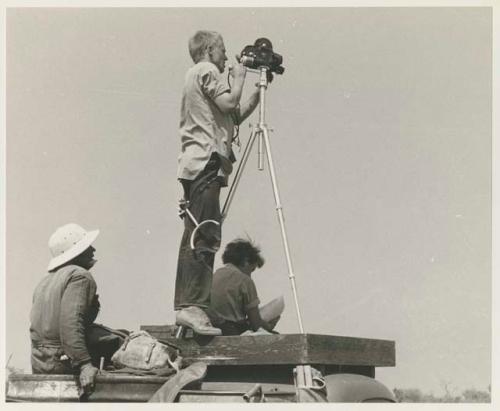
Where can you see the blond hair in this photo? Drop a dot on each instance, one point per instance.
(200, 42)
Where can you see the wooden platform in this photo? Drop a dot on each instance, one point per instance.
(281, 349)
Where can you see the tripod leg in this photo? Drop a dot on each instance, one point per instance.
(239, 172)
(281, 219)
(260, 153)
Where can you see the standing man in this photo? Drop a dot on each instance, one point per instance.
(65, 305)
(210, 109)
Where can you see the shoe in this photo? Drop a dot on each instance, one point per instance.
(195, 318)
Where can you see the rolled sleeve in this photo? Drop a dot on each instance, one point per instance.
(75, 303)
(210, 82)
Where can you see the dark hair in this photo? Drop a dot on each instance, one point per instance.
(238, 251)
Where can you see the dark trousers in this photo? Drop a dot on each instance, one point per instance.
(100, 341)
(195, 267)
(232, 328)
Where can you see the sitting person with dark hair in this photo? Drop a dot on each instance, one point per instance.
(234, 305)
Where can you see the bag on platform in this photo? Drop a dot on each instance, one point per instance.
(141, 351)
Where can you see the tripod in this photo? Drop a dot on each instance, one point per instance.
(262, 133)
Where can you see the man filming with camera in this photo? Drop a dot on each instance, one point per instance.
(210, 110)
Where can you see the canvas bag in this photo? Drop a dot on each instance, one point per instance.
(143, 352)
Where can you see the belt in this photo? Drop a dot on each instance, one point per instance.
(46, 344)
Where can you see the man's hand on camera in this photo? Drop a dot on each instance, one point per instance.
(87, 378)
(238, 71)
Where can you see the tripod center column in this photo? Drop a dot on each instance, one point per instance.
(262, 116)
(262, 87)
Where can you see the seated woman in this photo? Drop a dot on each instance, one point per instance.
(234, 303)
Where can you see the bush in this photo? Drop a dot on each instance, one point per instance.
(473, 395)
(470, 395)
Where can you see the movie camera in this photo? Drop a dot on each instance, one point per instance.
(261, 54)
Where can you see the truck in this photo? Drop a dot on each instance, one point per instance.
(252, 368)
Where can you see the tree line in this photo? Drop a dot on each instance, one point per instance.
(470, 395)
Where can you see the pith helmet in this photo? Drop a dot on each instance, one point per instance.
(67, 242)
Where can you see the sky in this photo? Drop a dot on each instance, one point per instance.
(381, 138)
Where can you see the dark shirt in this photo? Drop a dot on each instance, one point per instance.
(65, 304)
(233, 294)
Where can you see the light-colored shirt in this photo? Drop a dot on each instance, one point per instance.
(233, 294)
(204, 128)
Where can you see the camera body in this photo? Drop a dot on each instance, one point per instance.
(261, 54)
